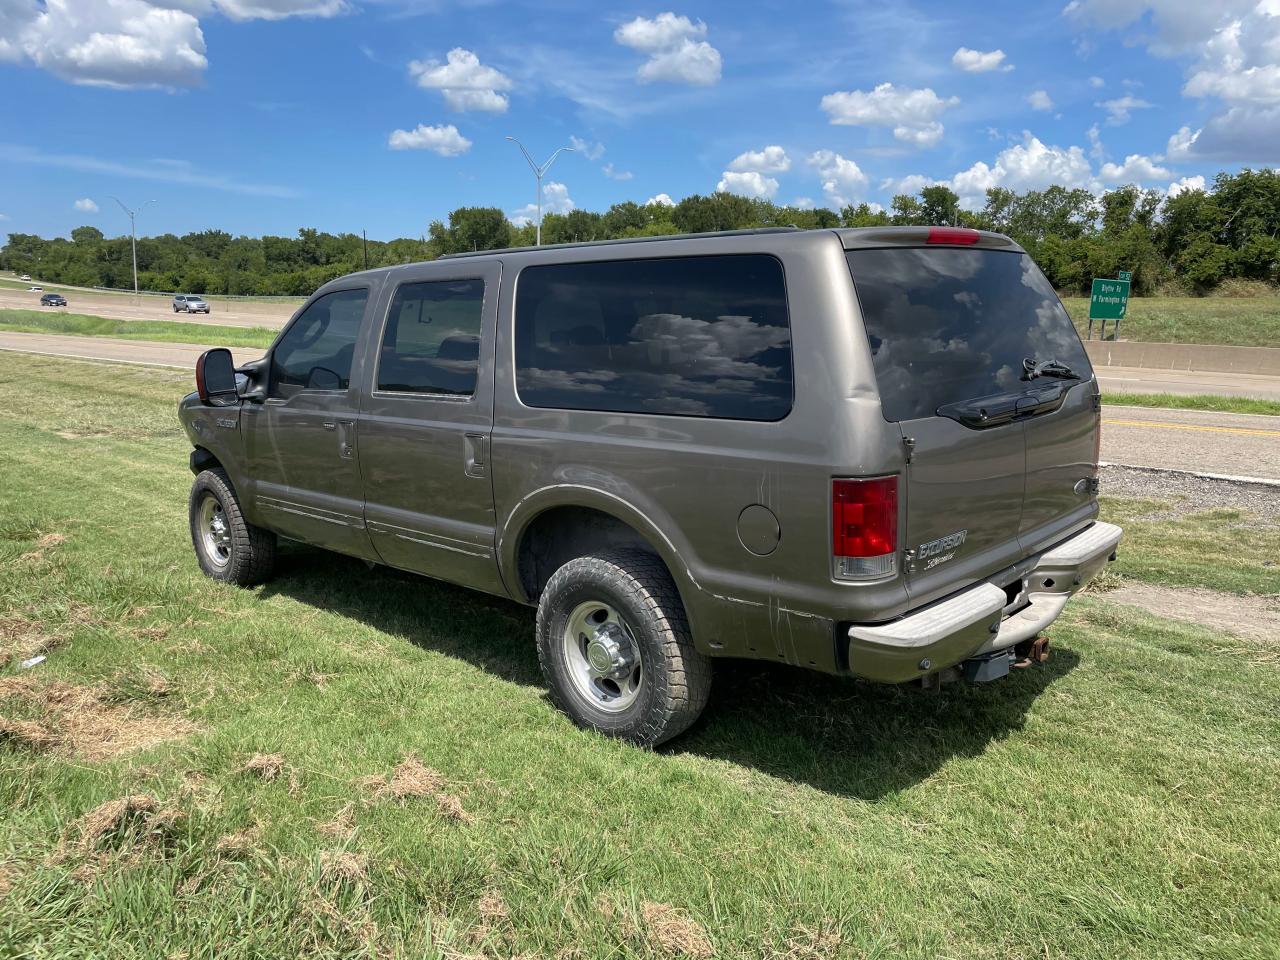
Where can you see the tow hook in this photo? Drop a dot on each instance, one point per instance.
(1031, 651)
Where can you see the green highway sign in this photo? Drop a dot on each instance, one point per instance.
(1109, 299)
(1125, 274)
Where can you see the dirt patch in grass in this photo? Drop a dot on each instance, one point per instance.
(81, 721)
(413, 779)
(1253, 618)
(669, 932)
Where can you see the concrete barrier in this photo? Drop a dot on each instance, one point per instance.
(1200, 357)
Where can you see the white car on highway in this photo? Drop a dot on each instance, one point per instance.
(189, 303)
(25, 278)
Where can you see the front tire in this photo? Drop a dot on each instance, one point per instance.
(228, 548)
(615, 648)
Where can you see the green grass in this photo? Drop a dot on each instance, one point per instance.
(1243, 321)
(13, 283)
(166, 331)
(1117, 802)
(1177, 401)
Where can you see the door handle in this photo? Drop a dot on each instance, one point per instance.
(476, 455)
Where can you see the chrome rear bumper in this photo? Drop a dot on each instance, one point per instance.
(981, 619)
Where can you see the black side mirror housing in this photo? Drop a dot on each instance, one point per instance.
(216, 378)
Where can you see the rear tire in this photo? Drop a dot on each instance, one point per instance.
(615, 648)
(228, 547)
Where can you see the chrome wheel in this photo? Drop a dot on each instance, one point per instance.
(602, 657)
(215, 532)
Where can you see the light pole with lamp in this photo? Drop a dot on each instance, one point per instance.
(539, 172)
(133, 236)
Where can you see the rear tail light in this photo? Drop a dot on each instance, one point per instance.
(864, 527)
(953, 235)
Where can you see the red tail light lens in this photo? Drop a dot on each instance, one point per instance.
(962, 236)
(864, 516)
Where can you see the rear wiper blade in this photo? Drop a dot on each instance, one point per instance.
(1033, 368)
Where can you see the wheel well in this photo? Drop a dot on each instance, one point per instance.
(560, 534)
(202, 459)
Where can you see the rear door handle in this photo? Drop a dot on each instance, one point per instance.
(476, 455)
(346, 439)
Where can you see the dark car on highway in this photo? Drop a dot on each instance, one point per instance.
(53, 300)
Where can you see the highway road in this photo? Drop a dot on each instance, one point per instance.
(1222, 444)
(117, 306)
(1143, 380)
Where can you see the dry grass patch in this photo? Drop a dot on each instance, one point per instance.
(79, 720)
(127, 823)
(344, 866)
(342, 826)
(21, 638)
(240, 843)
(411, 778)
(267, 766)
(669, 932)
(44, 544)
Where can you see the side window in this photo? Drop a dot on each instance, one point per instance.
(688, 336)
(315, 353)
(432, 340)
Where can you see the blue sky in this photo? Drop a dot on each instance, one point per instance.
(263, 116)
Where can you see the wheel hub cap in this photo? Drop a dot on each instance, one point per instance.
(610, 652)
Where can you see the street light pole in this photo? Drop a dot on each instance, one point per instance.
(539, 172)
(133, 236)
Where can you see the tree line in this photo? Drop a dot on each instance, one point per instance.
(1189, 243)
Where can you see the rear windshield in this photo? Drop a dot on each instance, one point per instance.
(949, 324)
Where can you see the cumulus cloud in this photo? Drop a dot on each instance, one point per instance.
(676, 49)
(976, 61)
(1097, 83)
(260, 9)
(555, 199)
(85, 205)
(912, 114)
(662, 200)
(1120, 109)
(772, 159)
(1029, 165)
(444, 140)
(1183, 185)
(841, 178)
(465, 82)
(747, 183)
(1232, 49)
(1181, 144)
(1135, 169)
(613, 173)
(1040, 100)
(911, 184)
(802, 203)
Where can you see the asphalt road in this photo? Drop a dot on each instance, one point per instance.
(1215, 444)
(123, 307)
(1222, 444)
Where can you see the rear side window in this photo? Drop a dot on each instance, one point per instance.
(432, 340)
(693, 336)
(947, 324)
(315, 352)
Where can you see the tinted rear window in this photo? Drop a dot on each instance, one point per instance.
(947, 324)
(693, 336)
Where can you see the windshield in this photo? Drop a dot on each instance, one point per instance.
(947, 324)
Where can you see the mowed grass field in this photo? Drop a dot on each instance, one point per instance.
(1237, 321)
(163, 331)
(358, 763)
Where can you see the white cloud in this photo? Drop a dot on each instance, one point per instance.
(677, 53)
(749, 183)
(592, 151)
(260, 9)
(86, 205)
(1029, 165)
(1119, 109)
(1183, 185)
(662, 199)
(4, 216)
(911, 184)
(555, 199)
(107, 43)
(1135, 169)
(466, 83)
(975, 61)
(1096, 150)
(802, 203)
(615, 174)
(772, 159)
(1039, 100)
(841, 178)
(444, 140)
(913, 114)
(1181, 144)
(1097, 83)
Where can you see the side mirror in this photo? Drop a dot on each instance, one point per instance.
(216, 378)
